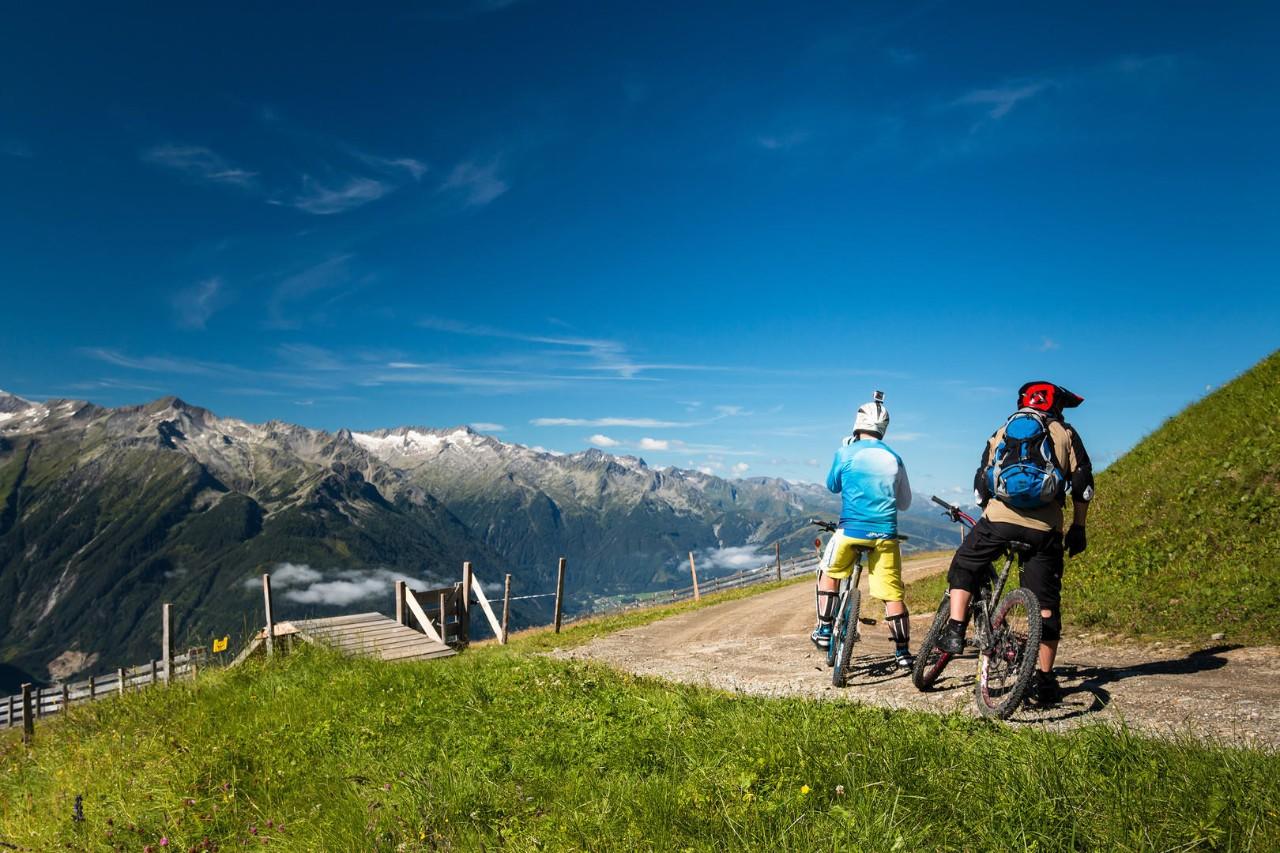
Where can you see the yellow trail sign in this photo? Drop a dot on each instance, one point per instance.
(221, 645)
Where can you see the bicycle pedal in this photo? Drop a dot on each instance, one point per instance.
(866, 621)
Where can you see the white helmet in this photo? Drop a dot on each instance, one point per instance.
(872, 417)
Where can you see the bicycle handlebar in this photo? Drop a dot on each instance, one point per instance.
(830, 527)
(954, 512)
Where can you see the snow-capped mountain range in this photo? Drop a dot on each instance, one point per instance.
(105, 512)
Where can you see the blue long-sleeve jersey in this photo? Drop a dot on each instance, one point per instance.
(874, 485)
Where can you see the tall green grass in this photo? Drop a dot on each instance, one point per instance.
(1184, 535)
(502, 749)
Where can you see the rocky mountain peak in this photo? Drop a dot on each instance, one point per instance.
(10, 403)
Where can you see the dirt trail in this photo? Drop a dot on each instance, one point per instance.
(760, 645)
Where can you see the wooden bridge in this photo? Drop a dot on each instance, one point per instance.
(364, 634)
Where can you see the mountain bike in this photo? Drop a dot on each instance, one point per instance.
(844, 631)
(1006, 633)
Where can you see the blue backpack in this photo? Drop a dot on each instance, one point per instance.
(1023, 471)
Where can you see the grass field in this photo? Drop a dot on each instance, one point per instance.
(507, 748)
(1185, 531)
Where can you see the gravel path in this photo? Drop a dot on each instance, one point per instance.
(760, 645)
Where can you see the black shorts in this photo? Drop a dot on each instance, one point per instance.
(1041, 570)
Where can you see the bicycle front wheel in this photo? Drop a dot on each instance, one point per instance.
(845, 637)
(931, 659)
(1005, 667)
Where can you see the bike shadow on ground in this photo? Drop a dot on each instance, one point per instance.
(1094, 680)
(866, 670)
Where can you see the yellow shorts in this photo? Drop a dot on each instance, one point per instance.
(884, 563)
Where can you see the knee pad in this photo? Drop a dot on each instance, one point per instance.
(826, 605)
(1051, 626)
(899, 628)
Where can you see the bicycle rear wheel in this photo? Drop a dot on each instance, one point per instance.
(1006, 666)
(845, 637)
(835, 627)
(931, 659)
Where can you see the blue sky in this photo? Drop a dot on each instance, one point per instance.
(703, 235)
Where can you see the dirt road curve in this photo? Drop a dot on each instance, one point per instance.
(761, 645)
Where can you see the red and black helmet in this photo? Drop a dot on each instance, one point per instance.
(1047, 397)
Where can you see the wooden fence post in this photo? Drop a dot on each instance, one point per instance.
(400, 614)
(66, 697)
(464, 632)
(155, 672)
(444, 619)
(120, 675)
(28, 724)
(693, 569)
(266, 601)
(506, 607)
(92, 688)
(777, 557)
(559, 593)
(165, 648)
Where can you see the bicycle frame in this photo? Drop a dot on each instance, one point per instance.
(1006, 655)
(988, 595)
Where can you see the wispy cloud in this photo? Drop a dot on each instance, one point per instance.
(160, 364)
(599, 354)
(414, 168)
(486, 426)
(998, 102)
(785, 141)
(475, 184)
(741, 468)
(321, 200)
(643, 423)
(196, 304)
(654, 444)
(11, 147)
(199, 163)
(901, 56)
(1047, 344)
(331, 277)
(600, 440)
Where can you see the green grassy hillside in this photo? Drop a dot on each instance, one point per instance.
(1184, 535)
(505, 749)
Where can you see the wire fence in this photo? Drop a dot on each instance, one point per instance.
(784, 570)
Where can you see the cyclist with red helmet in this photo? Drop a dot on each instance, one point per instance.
(1028, 468)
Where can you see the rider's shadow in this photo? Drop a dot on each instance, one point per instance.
(872, 669)
(1094, 678)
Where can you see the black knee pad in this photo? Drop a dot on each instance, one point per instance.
(1051, 626)
(826, 605)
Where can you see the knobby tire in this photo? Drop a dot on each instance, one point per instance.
(848, 637)
(835, 631)
(931, 660)
(1005, 670)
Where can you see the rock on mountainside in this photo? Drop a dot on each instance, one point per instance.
(104, 513)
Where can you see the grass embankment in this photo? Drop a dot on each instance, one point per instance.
(1184, 535)
(503, 748)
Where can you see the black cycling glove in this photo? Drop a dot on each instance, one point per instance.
(1075, 540)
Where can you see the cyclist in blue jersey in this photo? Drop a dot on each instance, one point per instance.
(874, 485)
